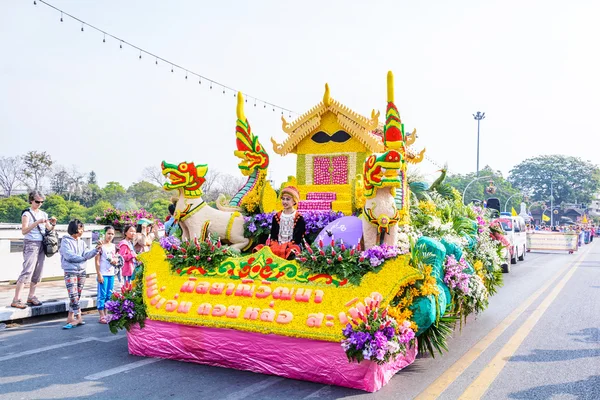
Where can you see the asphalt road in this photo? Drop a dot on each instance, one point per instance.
(539, 339)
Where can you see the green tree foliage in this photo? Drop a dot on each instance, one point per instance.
(144, 193)
(90, 195)
(37, 166)
(477, 189)
(159, 208)
(115, 193)
(11, 209)
(574, 180)
(97, 210)
(56, 206)
(77, 211)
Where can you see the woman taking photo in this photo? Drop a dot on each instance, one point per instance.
(34, 224)
(73, 255)
(146, 233)
(106, 261)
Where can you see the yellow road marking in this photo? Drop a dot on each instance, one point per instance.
(434, 390)
(493, 369)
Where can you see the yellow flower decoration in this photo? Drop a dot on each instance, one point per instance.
(428, 207)
(258, 305)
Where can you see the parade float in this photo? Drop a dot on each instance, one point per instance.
(388, 267)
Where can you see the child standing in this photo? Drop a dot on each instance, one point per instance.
(73, 255)
(106, 261)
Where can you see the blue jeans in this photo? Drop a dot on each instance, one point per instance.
(104, 291)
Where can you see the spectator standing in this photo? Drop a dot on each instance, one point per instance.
(34, 224)
(106, 261)
(171, 225)
(146, 232)
(74, 254)
(127, 251)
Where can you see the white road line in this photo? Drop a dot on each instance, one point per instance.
(324, 391)
(61, 345)
(47, 348)
(122, 368)
(250, 390)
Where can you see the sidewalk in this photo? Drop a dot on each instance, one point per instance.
(54, 296)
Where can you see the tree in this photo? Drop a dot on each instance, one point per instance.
(36, 166)
(92, 180)
(76, 211)
(56, 206)
(230, 184)
(115, 193)
(573, 180)
(144, 193)
(11, 173)
(11, 209)
(477, 188)
(210, 188)
(218, 182)
(97, 210)
(59, 181)
(76, 183)
(159, 208)
(154, 175)
(90, 195)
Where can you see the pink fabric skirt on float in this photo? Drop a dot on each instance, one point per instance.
(295, 358)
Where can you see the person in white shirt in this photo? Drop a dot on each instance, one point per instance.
(34, 224)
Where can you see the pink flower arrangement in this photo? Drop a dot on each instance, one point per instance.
(455, 277)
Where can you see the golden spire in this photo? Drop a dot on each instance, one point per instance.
(326, 96)
(240, 107)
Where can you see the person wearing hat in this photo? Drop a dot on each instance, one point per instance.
(146, 232)
(288, 226)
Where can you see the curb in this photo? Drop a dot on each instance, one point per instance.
(8, 314)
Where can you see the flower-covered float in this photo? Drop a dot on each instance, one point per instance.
(387, 267)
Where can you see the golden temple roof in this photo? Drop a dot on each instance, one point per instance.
(355, 124)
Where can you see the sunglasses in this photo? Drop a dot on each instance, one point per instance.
(39, 201)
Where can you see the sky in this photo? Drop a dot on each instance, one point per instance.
(531, 66)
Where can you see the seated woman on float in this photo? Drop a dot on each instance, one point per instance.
(287, 228)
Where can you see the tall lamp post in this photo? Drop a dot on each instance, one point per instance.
(474, 180)
(507, 200)
(479, 116)
(552, 203)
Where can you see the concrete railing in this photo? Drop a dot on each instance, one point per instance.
(11, 262)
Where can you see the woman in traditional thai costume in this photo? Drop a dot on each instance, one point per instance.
(288, 227)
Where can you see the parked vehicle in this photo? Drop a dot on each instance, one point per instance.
(516, 233)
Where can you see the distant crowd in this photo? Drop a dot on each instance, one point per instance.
(586, 232)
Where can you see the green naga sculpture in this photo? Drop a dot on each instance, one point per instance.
(257, 193)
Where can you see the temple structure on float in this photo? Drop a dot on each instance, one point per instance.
(332, 143)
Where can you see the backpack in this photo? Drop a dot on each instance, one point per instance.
(50, 241)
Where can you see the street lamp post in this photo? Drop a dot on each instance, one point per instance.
(479, 116)
(506, 204)
(552, 203)
(474, 180)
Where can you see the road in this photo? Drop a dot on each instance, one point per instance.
(539, 339)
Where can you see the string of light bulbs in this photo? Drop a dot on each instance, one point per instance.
(188, 72)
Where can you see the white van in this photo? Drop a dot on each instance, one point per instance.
(516, 233)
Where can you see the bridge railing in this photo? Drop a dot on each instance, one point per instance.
(11, 252)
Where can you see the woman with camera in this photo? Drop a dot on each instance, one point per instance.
(34, 225)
